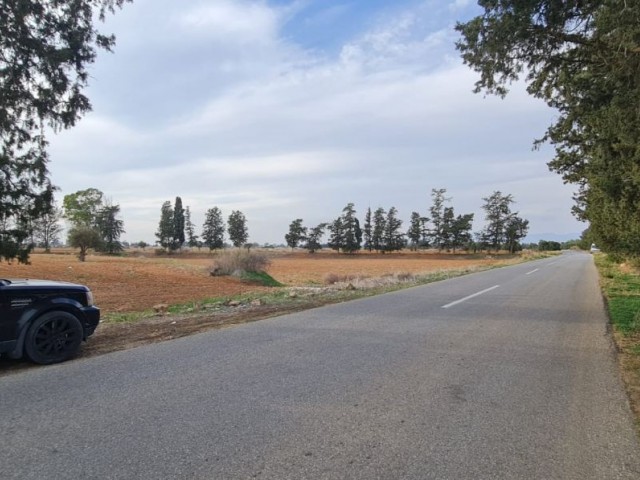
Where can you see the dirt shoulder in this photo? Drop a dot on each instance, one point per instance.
(114, 336)
(221, 302)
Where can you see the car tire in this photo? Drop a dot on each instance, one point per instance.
(53, 337)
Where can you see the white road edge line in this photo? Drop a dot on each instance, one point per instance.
(532, 271)
(470, 296)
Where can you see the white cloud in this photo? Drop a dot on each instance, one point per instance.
(232, 20)
(459, 4)
(280, 133)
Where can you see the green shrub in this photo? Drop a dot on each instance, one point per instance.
(261, 278)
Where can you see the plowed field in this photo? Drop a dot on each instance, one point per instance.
(135, 283)
(139, 281)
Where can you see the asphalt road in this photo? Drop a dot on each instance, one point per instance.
(506, 374)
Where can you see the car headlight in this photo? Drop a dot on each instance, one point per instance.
(90, 302)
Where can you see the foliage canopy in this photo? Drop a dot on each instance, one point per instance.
(45, 48)
(582, 57)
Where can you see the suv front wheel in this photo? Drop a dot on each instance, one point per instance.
(53, 337)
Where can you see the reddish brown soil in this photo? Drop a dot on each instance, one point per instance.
(138, 282)
(126, 284)
(303, 268)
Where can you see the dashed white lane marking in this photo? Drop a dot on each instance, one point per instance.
(532, 271)
(470, 296)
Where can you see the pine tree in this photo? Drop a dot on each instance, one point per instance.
(213, 229)
(313, 238)
(581, 58)
(165, 227)
(237, 228)
(379, 227)
(352, 233)
(110, 228)
(516, 229)
(498, 212)
(297, 233)
(45, 49)
(367, 230)
(178, 225)
(448, 218)
(336, 237)
(416, 228)
(461, 231)
(393, 238)
(437, 217)
(190, 230)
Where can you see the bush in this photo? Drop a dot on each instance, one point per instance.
(239, 261)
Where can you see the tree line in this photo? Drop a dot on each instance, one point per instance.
(444, 230)
(176, 229)
(581, 57)
(95, 224)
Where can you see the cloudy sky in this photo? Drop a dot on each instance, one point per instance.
(289, 109)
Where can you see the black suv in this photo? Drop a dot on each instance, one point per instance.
(43, 320)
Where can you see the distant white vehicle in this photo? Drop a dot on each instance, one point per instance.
(594, 249)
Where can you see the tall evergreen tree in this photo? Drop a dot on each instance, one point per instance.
(45, 49)
(190, 229)
(379, 227)
(367, 231)
(336, 237)
(448, 219)
(237, 228)
(461, 231)
(497, 209)
(515, 230)
(393, 238)
(437, 216)
(110, 228)
(313, 238)
(178, 225)
(416, 227)
(581, 58)
(352, 233)
(213, 229)
(165, 227)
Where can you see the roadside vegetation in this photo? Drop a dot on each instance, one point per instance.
(620, 282)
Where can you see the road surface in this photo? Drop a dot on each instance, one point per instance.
(506, 374)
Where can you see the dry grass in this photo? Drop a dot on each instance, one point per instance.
(232, 261)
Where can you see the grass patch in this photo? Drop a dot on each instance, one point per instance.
(261, 278)
(625, 313)
(621, 287)
(622, 290)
